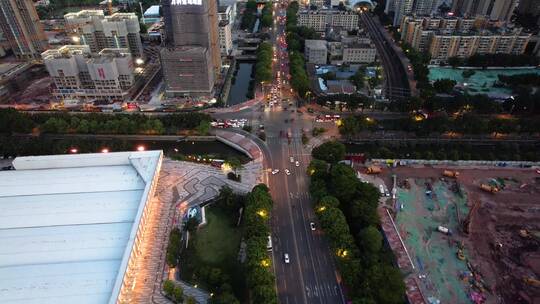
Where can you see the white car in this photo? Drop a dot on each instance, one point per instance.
(286, 258)
(287, 172)
(275, 171)
(312, 226)
(291, 159)
(297, 163)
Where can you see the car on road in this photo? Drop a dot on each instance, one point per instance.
(269, 244)
(286, 258)
(287, 172)
(291, 159)
(275, 171)
(312, 226)
(297, 163)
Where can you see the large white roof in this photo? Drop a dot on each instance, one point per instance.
(68, 223)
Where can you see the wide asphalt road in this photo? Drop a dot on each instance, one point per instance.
(310, 277)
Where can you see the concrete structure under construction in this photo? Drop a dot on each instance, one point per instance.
(22, 29)
(190, 55)
(92, 28)
(79, 74)
(72, 226)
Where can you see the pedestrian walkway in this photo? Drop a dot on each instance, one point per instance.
(181, 185)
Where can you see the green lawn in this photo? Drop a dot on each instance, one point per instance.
(218, 242)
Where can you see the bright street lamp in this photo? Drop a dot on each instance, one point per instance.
(139, 61)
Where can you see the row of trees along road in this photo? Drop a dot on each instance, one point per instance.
(347, 211)
(249, 16)
(296, 36)
(351, 126)
(12, 121)
(259, 276)
(267, 19)
(263, 68)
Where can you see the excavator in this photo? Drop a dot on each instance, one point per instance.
(531, 281)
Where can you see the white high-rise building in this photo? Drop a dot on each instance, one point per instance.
(92, 28)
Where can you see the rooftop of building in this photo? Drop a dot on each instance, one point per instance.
(68, 224)
(326, 11)
(315, 44)
(152, 11)
(84, 14)
(358, 45)
(223, 8)
(223, 22)
(121, 16)
(67, 51)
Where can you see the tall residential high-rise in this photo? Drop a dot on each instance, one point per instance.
(529, 7)
(501, 10)
(93, 28)
(405, 7)
(190, 56)
(20, 23)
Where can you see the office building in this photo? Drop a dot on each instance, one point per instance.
(73, 226)
(92, 28)
(320, 19)
(22, 29)
(316, 51)
(225, 37)
(190, 56)
(80, 74)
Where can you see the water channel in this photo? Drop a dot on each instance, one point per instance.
(240, 86)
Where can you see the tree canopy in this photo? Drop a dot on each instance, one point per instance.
(331, 152)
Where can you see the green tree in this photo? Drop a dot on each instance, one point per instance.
(203, 128)
(317, 168)
(178, 294)
(329, 202)
(444, 85)
(349, 126)
(191, 300)
(168, 288)
(370, 240)
(317, 188)
(343, 182)
(331, 151)
(235, 164)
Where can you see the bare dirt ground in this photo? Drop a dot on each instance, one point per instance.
(39, 90)
(503, 239)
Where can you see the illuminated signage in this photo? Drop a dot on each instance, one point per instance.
(186, 2)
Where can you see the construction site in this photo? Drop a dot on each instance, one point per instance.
(463, 234)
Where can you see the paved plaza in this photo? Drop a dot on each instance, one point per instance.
(181, 185)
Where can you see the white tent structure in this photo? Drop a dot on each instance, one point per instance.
(69, 225)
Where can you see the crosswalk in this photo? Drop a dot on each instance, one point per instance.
(299, 195)
(322, 290)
